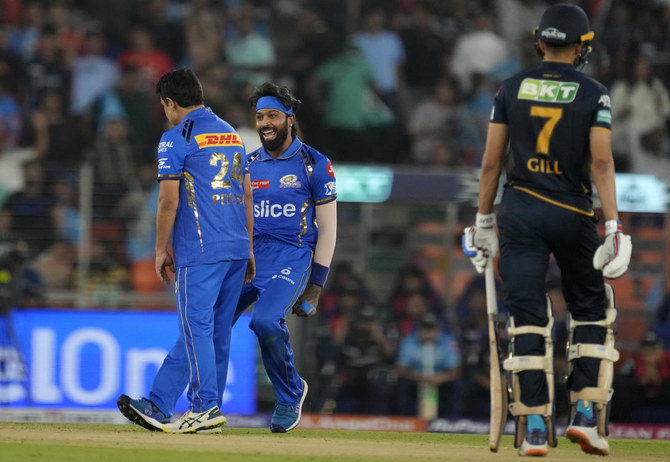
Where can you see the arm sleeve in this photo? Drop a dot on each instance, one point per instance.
(322, 182)
(498, 113)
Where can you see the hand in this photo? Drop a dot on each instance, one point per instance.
(251, 269)
(308, 301)
(164, 260)
(613, 255)
(480, 242)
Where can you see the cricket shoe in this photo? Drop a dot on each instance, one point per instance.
(143, 412)
(193, 422)
(535, 440)
(287, 416)
(584, 431)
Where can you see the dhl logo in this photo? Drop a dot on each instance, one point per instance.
(206, 140)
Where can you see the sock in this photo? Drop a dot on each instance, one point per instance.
(586, 408)
(536, 422)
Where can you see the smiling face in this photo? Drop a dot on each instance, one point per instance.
(273, 127)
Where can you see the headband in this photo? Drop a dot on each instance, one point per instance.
(272, 102)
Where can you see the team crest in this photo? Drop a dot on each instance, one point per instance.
(289, 181)
(331, 189)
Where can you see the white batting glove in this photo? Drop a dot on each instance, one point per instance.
(613, 255)
(480, 242)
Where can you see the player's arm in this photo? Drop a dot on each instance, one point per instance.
(326, 220)
(602, 171)
(168, 201)
(496, 144)
(249, 209)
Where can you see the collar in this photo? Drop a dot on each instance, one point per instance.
(291, 151)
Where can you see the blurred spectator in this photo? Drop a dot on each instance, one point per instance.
(93, 73)
(480, 51)
(351, 107)
(66, 21)
(413, 294)
(11, 118)
(23, 40)
(424, 48)
(250, 55)
(46, 71)
(641, 105)
(58, 137)
(10, 64)
(166, 29)
(56, 265)
(342, 278)
(364, 366)
(415, 369)
(516, 20)
(66, 216)
(385, 52)
(433, 122)
(143, 54)
(113, 158)
(31, 209)
(643, 385)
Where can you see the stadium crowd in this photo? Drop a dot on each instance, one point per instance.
(391, 82)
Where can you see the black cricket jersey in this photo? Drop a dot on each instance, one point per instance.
(550, 111)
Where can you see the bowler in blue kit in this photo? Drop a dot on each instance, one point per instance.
(295, 223)
(205, 203)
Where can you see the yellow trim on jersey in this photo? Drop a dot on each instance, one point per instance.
(206, 140)
(596, 127)
(497, 123)
(551, 201)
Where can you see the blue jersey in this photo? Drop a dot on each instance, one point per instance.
(287, 189)
(207, 156)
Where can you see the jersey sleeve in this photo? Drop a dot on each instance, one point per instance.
(498, 113)
(171, 155)
(602, 112)
(322, 182)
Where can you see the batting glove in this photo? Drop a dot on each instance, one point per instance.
(613, 255)
(480, 242)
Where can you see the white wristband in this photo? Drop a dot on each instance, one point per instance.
(612, 226)
(485, 220)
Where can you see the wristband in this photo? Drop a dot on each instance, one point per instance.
(319, 274)
(485, 220)
(612, 226)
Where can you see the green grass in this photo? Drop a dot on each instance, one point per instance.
(130, 443)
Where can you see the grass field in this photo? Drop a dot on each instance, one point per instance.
(130, 443)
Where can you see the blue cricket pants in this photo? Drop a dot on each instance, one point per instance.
(282, 273)
(206, 298)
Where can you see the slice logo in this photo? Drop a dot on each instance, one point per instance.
(260, 184)
(206, 140)
(330, 170)
(549, 91)
(289, 181)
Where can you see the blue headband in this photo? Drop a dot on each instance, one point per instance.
(272, 102)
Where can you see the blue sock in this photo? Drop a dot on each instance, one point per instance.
(536, 422)
(586, 408)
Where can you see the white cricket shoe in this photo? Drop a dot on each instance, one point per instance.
(193, 422)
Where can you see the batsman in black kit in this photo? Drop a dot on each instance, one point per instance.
(557, 122)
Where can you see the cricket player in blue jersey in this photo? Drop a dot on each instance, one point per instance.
(205, 202)
(295, 224)
(557, 122)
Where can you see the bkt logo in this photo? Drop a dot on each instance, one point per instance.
(550, 91)
(265, 209)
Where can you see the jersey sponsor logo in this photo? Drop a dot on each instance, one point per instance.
(330, 171)
(266, 209)
(164, 145)
(331, 189)
(604, 115)
(260, 184)
(289, 181)
(550, 91)
(552, 33)
(161, 163)
(206, 140)
(604, 100)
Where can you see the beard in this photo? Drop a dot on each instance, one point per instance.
(278, 141)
